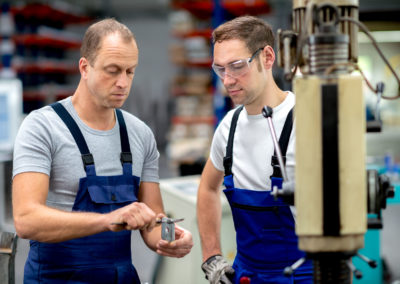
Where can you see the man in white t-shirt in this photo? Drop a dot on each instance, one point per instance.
(241, 155)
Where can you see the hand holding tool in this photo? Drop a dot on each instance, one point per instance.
(167, 229)
(158, 221)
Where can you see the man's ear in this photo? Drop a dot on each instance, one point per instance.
(268, 57)
(83, 67)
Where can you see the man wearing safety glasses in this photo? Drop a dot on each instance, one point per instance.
(241, 155)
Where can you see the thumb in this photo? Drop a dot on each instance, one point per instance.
(160, 216)
(179, 232)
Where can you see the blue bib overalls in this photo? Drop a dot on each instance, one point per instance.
(265, 227)
(100, 258)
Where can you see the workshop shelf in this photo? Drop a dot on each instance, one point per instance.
(46, 51)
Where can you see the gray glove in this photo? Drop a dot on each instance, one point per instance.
(218, 270)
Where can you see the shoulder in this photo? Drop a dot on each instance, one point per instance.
(132, 119)
(227, 120)
(40, 118)
(222, 132)
(291, 99)
(282, 110)
(48, 115)
(135, 124)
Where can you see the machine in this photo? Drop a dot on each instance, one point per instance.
(334, 191)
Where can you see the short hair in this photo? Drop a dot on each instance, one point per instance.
(255, 32)
(94, 35)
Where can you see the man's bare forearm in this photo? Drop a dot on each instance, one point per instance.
(209, 210)
(209, 221)
(45, 224)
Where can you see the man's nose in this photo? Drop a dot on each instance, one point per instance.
(123, 81)
(228, 79)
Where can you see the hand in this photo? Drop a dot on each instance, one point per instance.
(218, 270)
(180, 247)
(135, 216)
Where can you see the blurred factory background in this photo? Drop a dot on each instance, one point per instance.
(177, 95)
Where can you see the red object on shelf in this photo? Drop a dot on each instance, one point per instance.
(193, 120)
(39, 95)
(201, 9)
(176, 91)
(202, 33)
(243, 7)
(46, 68)
(40, 40)
(43, 11)
(199, 64)
(33, 96)
(204, 8)
(202, 64)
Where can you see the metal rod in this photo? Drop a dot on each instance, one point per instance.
(267, 113)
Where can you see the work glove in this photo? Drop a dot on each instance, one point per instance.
(218, 270)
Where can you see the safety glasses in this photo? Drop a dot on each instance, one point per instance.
(237, 68)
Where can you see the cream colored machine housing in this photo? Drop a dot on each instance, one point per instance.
(332, 193)
(309, 199)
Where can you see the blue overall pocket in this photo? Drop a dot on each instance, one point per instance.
(259, 233)
(104, 194)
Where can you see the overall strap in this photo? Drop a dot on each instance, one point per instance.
(87, 157)
(126, 155)
(283, 144)
(228, 159)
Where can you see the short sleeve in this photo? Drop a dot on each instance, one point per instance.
(220, 139)
(32, 148)
(151, 157)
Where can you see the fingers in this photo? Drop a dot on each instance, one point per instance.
(136, 216)
(146, 219)
(172, 249)
(117, 226)
(180, 247)
(160, 216)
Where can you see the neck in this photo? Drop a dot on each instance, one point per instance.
(272, 96)
(90, 111)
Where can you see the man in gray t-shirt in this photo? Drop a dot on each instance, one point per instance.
(86, 174)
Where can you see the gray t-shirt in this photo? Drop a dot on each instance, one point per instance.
(44, 144)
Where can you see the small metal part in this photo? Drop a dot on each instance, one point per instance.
(158, 221)
(168, 228)
(168, 231)
(119, 223)
(372, 263)
(379, 91)
(357, 273)
(289, 270)
(170, 220)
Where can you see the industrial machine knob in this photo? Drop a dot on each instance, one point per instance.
(267, 111)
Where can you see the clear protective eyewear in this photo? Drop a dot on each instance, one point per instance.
(237, 68)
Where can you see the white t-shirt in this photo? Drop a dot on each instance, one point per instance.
(253, 146)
